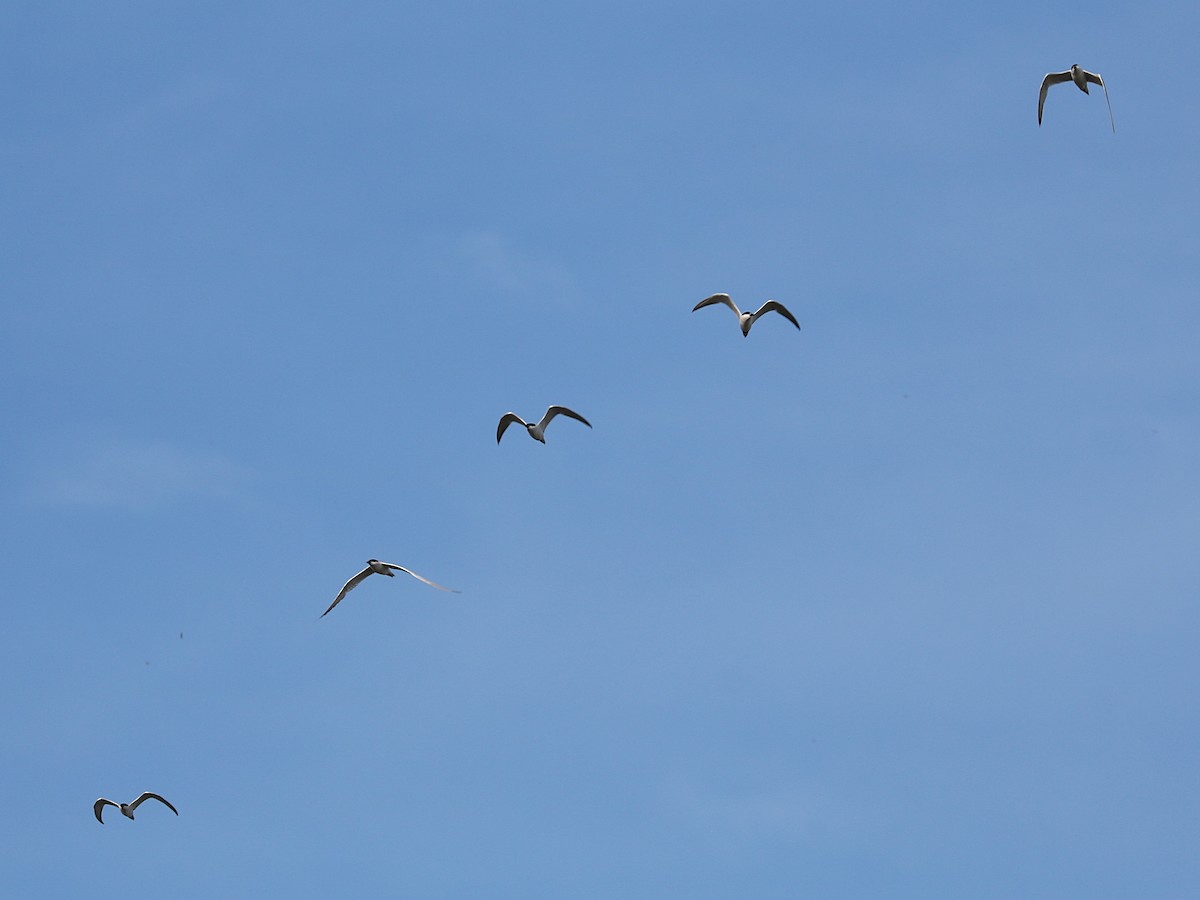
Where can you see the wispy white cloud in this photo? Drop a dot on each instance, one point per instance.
(777, 810)
(138, 476)
(181, 97)
(511, 270)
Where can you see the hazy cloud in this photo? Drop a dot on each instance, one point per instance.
(180, 98)
(514, 271)
(743, 812)
(138, 476)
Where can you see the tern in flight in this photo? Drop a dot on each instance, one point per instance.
(537, 431)
(375, 567)
(746, 319)
(1081, 79)
(128, 808)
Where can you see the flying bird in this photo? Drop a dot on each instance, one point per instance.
(376, 567)
(1081, 79)
(538, 431)
(128, 808)
(746, 319)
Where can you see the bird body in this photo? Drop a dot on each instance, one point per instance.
(377, 567)
(380, 568)
(128, 808)
(537, 430)
(747, 319)
(1080, 78)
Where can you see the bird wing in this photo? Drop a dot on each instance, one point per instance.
(147, 795)
(99, 805)
(1096, 79)
(561, 410)
(719, 298)
(1051, 78)
(421, 578)
(505, 420)
(347, 588)
(776, 306)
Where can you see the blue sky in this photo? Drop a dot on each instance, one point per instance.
(901, 605)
